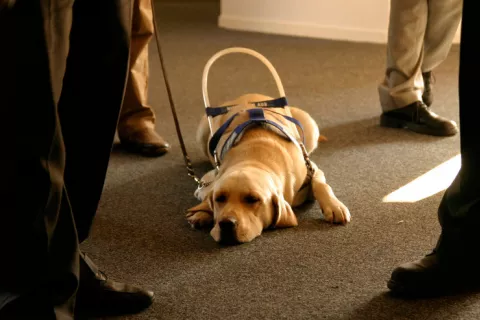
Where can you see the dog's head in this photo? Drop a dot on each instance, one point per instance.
(246, 202)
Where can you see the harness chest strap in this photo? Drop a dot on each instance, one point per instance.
(257, 115)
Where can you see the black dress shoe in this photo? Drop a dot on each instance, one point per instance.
(28, 307)
(145, 142)
(428, 80)
(428, 277)
(418, 118)
(98, 296)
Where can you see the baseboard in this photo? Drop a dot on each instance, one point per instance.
(310, 30)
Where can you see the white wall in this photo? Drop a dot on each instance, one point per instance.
(353, 20)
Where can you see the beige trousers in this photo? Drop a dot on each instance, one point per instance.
(136, 113)
(420, 35)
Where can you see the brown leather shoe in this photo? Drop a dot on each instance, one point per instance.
(146, 142)
(417, 117)
(429, 277)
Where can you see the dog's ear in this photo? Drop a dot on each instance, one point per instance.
(283, 215)
(206, 205)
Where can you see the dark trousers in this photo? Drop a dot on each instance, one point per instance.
(62, 77)
(459, 211)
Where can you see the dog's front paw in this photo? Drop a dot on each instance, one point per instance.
(200, 219)
(335, 211)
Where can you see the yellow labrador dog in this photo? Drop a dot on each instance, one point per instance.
(262, 173)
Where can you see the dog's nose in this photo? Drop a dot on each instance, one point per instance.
(228, 226)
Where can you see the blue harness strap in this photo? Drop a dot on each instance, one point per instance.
(216, 111)
(256, 115)
(212, 145)
(274, 103)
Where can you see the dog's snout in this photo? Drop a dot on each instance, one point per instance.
(227, 224)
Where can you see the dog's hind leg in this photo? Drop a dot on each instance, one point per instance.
(203, 133)
(310, 128)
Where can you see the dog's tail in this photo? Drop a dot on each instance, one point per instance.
(322, 138)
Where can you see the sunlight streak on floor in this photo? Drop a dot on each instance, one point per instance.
(428, 184)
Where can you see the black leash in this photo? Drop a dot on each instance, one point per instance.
(188, 163)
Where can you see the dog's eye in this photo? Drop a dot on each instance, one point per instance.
(251, 199)
(221, 198)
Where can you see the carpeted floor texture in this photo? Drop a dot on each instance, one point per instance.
(313, 271)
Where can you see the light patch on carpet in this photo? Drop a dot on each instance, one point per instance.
(428, 184)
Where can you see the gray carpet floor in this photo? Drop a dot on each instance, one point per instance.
(313, 271)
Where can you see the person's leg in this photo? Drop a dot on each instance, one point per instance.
(403, 83)
(442, 25)
(460, 214)
(454, 264)
(39, 265)
(95, 79)
(402, 88)
(443, 21)
(136, 126)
